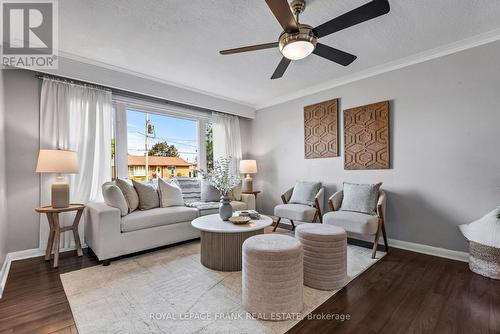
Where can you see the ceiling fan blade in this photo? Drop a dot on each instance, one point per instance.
(361, 14)
(335, 55)
(283, 13)
(249, 48)
(280, 70)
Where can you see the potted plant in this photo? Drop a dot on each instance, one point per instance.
(224, 181)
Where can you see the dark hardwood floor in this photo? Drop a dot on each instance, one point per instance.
(34, 300)
(405, 292)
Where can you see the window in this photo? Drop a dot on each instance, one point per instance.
(151, 143)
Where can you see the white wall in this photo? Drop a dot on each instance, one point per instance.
(246, 137)
(445, 116)
(3, 211)
(22, 100)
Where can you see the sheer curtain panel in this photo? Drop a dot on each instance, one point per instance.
(227, 139)
(77, 118)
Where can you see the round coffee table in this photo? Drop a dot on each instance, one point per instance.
(221, 241)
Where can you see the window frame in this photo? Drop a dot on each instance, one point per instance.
(121, 104)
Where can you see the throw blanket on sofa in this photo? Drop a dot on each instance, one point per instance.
(191, 189)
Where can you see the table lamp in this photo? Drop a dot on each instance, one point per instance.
(248, 167)
(59, 162)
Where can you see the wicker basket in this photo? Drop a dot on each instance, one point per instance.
(484, 260)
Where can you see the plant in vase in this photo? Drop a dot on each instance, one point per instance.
(224, 181)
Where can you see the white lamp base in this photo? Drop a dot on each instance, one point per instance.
(60, 194)
(247, 186)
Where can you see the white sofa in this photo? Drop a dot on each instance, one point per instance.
(110, 235)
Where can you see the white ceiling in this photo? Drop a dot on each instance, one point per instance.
(178, 40)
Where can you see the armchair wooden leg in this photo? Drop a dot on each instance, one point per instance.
(277, 223)
(293, 225)
(320, 216)
(315, 217)
(375, 242)
(385, 238)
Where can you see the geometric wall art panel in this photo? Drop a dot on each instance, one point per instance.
(321, 130)
(366, 137)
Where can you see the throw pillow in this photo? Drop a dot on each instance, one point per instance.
(170, 193)
(148, 196)
(208, 192)
(304, 192)
(235, 194)
(114, 197)
(130, 194)
(360, 197)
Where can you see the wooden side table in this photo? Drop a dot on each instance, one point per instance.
(56, 229)
(252, 193)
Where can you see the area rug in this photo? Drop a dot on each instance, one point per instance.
(170, 291)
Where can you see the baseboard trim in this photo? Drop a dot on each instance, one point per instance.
(4, 273)
(21, 255)
(429, 250)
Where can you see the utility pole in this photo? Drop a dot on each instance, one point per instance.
(146, 146)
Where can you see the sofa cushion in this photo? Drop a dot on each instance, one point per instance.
(208, 192)
(138, 220)
(170, 193)
(130, 194)
(238, 205)
(360, 197)
(148, 195)
(113, 196)
(354, 222)
(299, 212)
(304, 192)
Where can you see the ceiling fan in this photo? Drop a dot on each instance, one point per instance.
(298, 40)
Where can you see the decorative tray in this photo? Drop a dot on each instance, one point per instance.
(239, 220)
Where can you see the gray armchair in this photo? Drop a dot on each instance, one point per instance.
(299, 212)
(359, 223)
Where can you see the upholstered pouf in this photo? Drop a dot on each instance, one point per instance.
(272, 277)
(325, 255)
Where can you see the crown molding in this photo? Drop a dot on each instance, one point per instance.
(464, 44)
(73, 57)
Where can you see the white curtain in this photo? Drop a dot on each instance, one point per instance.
(227, 139)
(76, 118)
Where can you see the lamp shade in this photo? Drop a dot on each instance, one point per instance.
(248, 166)
(57, 161)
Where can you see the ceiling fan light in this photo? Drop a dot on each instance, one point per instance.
(298, 45)
(297, 50)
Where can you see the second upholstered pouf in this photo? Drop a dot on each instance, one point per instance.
(272, 277)
(325, 255)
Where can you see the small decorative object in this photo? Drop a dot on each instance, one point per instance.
(224, 181)
(484, 244)
(248, 167)
(320, 130)
(249, 213)
(239, 220)
(366, 137)
(59, 162)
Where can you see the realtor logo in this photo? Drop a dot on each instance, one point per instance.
(29, 34)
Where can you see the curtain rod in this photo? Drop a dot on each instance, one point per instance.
(42, 76)
(124, 93)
